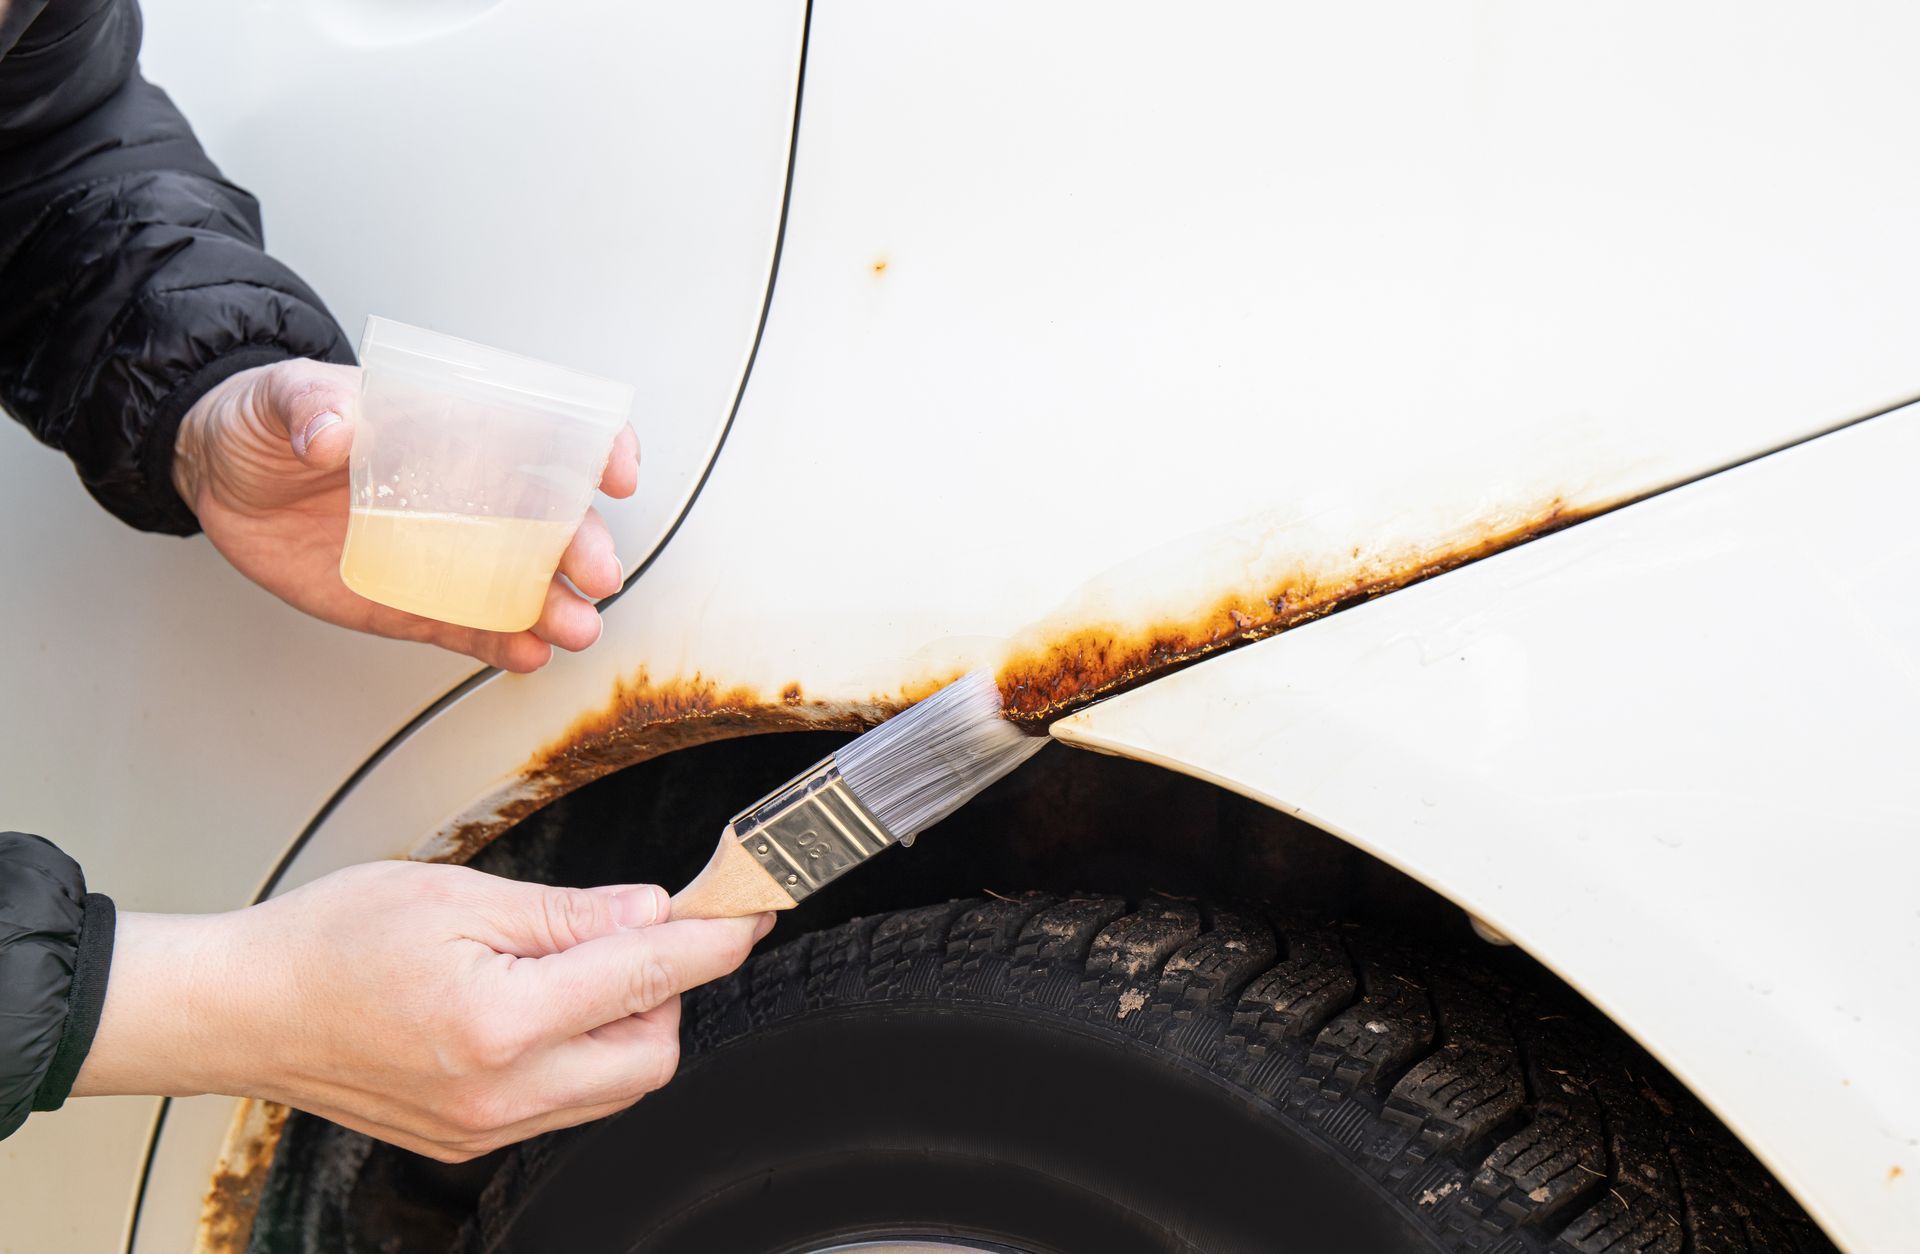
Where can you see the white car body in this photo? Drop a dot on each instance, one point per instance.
(1086, 341)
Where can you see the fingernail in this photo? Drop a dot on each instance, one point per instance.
(637, 907)
(764, 926)
(619, 570)
(315, 425)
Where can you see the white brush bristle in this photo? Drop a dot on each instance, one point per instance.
(920, 766)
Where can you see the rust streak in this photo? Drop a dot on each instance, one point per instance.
(1063, 670)
(643, 720)
(233, 1195)
(1047, 681)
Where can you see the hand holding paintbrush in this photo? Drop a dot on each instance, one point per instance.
(885, 788)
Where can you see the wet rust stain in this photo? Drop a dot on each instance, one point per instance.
(644, 720)
(1041, 682)
(233, 1196)
(1050, 680)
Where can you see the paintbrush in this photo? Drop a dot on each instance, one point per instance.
(883, 788)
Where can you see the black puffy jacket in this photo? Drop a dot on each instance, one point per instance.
(132, 279)
(56, 943)
(132, 276)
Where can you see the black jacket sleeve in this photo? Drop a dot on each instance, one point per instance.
(56, 943)
(132, 276)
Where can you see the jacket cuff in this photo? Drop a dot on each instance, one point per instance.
(169, 514)
(92, 960)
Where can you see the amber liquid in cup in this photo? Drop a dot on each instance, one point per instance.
(472, 467)
(490, 573)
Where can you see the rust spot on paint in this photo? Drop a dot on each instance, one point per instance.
(790, 695)
(880, 266)
(233, 1196)
(1894, 1173)
(1048, 680)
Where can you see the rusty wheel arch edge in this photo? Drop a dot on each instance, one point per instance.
(1046, 675)
(1042, 679)
(1054, 671)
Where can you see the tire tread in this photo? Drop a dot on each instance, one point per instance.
(1506, 1122)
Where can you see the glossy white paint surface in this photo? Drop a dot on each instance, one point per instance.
(1058, 341)
(1672, 753)
(1087, 315)
(613, 209)
(65, 1183)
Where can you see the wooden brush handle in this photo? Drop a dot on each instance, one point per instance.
(730, 886)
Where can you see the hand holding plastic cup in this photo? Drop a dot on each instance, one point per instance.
(471, 470)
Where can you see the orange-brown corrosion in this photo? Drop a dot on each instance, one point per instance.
(644, 720)
(1070, 668)
(1052, 680)
(233, 1196)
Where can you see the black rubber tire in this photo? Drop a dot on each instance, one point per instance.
(1086, 1074)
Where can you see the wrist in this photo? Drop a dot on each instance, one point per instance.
(189, 452)
(172, 1022)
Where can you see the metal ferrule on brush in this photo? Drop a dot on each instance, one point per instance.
(810, 832)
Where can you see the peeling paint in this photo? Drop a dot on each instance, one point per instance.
(233, 1196)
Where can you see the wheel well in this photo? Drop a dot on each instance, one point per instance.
(1069, 821)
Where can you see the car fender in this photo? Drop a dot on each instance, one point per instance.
(1670, 753)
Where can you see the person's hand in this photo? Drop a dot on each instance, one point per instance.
(446, 1011)
(261, 460)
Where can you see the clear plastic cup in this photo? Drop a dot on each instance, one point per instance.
(471, 470)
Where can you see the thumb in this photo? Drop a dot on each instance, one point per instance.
(533, 920)
(315, 404)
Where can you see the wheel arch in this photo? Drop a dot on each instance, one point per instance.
(1315, 723)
